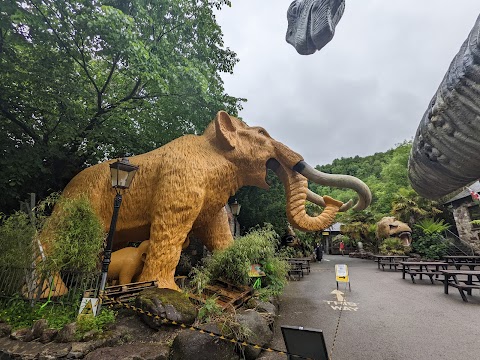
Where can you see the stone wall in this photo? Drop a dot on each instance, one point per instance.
(466, 231)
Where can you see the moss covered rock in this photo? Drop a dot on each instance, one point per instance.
(167, 304)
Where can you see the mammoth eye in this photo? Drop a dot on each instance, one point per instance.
(262, 132)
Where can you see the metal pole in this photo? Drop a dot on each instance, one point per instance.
(107, 254)
(234, 226)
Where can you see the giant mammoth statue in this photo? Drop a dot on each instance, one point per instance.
(446, 150)
(184, 185)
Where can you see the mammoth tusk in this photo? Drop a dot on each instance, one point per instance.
(340, 181)
(315, 198)
(346, 206)
(318, 200)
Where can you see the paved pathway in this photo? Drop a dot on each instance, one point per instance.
(387, 318)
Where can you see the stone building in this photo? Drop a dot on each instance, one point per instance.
(465, 209)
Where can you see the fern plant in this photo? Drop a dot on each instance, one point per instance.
(431, 226)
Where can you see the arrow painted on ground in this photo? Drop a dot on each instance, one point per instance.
(339, 294)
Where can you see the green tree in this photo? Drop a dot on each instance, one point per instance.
(409, 207)
(393, 177)
(261, 206)
(83, 81)
(358, 226)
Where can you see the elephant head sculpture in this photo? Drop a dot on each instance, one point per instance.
(311, 23)
(446, 148)
(182, 187)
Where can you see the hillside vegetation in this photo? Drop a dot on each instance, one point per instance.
(385, 173)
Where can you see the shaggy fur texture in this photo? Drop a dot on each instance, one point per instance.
(183, 187)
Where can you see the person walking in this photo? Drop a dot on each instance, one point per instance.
(319, 252)
(342, 247)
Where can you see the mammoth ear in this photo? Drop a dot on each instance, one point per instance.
(225, 131)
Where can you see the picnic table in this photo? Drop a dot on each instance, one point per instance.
(458, 261)
(390, 260)
(298, 266)
(303, 263)
(428, 268)
(463, 285)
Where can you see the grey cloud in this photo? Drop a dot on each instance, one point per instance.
(365, 92)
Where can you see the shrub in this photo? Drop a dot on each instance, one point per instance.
(16, 234)
(429, 242)
(209, 310)
(77, 237)
(287, 252)
(98, 324)
(308, 241)
(430, 246)
(233, 264)
(393, 246)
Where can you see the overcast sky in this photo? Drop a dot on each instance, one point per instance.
(364, 92)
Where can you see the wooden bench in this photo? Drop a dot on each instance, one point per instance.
(296, 269)
(463, 286)
(429, 268)
(430, 274)
(390, 260)
(305, 262)
(390, 264)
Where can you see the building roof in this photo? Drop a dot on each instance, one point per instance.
(334, 227)
(465, 192)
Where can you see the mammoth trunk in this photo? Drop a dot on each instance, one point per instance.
(296, 187)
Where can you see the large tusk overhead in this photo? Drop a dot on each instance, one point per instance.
(318, 200)
(340, 181)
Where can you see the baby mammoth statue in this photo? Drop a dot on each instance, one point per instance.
(127, 264)
(182, 187)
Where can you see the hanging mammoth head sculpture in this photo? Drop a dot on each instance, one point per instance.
(311, 23)
(182, 187)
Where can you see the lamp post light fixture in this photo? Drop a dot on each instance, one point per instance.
(235, 209)
(122, 173)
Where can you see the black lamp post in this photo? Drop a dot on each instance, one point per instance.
(235, 209)
(122, 173)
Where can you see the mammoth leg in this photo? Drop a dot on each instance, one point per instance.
(215, 234)
(167, 235)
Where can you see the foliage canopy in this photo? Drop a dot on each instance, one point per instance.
(83, 81)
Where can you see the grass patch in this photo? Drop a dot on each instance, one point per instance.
(18, 313)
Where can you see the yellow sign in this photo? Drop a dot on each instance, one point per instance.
(88, 306)
(341, 273)
(325, 233)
